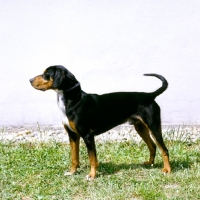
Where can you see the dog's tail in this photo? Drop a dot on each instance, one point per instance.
(161, 89)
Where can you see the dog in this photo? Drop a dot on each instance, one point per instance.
(87, 115)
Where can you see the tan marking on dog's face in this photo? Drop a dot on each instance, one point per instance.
(41, 84)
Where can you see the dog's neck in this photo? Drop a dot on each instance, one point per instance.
(72, 93)
(72, 88)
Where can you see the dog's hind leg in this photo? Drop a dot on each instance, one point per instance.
(143, 131)
(90, 144)
(156, 133)
(74, 140)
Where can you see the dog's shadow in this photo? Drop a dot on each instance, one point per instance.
(109, 168)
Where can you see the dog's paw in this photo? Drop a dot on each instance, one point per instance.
(148, 163)
(89, 178)
(68, 173)
(166, 171)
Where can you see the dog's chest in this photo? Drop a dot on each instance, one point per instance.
(62, 108)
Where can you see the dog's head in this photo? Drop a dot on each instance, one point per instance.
(54, 77)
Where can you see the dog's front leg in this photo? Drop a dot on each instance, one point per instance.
(91, 148)
(74, 140)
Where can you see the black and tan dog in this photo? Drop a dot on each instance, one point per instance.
(86, 115)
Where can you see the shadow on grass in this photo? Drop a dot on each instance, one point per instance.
(109, 168)
(186, 163)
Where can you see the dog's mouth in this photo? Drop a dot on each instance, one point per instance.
(42, 89)
(38, 88)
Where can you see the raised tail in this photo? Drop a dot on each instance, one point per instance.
(161, 89)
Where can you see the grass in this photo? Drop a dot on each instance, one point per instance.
(35, 171)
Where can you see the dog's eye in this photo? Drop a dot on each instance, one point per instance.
(46, 77)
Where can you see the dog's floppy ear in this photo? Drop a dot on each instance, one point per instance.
(59, 76)
(70, 77)
(63, 78)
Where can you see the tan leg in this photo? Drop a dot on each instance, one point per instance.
(90, 144)
(93, 165)
(74, 144)
(165, 155)
(167, 168)
(143, 131)
(74, 154)
(157, 135)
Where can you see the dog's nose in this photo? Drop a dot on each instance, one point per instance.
(31, 80)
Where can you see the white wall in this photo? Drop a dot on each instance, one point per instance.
(108, 45)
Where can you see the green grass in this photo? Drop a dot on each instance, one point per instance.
(35, 171)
